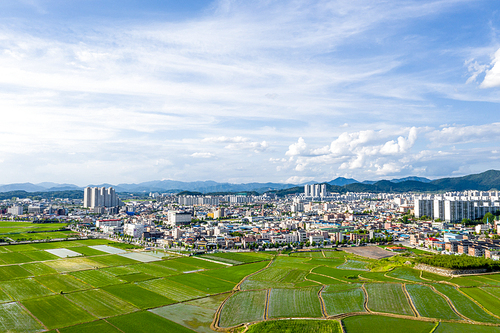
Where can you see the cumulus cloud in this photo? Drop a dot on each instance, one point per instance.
(298, 148)
(465, 134)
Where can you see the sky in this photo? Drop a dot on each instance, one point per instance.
(125, 91)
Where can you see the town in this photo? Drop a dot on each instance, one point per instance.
(448, 223)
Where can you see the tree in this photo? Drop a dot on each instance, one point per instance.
(488, 218)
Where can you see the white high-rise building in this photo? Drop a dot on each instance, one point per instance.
(100, 197)
(315, 190)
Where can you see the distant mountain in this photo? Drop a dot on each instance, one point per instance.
(412, 178)
(341, 181)
(483, 181)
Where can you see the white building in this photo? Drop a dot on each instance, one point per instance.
(15, 210)
(315, 190)
(179, 218)
(134, 230)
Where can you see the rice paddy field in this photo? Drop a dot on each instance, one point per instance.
(108, 288)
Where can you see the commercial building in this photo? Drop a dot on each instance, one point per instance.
(179, 218)
(15, 210)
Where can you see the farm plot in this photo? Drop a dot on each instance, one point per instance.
(14, 258)
(253, 285)
(466, 282)
(343, 301)
(13, 318)
(434, 277)
(315, 254)
(492, 290)
(120, 270)
(381, 324)
(56, 311)
(429, 304)
(62, 283)
(236, 273)
(491, 303)
(406, 273)
(73, 264)
(195, 261)
(137, 296)
(135, 322)
(295, 326)
(232, 258)
(172, 290)
(100, 326)
(37, 268)
(13, 272)
(177, 265)
(40, 255)
(63, 253)
(243, 307)
(486, 280)
(344, 275)
(193, 317)
(464, 305)
(20, 248)
(97, 278)
(141, 257)
(24, 289)
(325, 262)
(203, 283)
(378, 276)
(271, 274)
(355, 265)
(295, 303)
(385, 297)
(151, 269)
(113, 260)
(295, 276)
(136, 277)
(100, 303)
(4, 297)
(465, 328)
(323, 279)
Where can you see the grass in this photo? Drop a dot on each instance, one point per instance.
(13, 272)
(434, 277)
(464, 305)
(296, 303)
(172, 290)
(137, 296)
(251, 285)
(100, 326)
(40, 255)
(203, 283)
(271, 274)
(465, 328)
(14, 318)
(343, 301)
(56, 311)
(113, 260)
(381, 324)
(466, 282)
(296, 326)
(388, 298)
(295, 276)
(323, 279)
(235, 273)
(429, 304)
(120, 270)
(243, 307)
(62, 283)
(135, 322)
(24, 289)
(4, 297)
(97, 278)
(100, 303)
(136, 277)
(488, 301)
(377, 276)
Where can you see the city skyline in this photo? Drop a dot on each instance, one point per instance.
(235, 92)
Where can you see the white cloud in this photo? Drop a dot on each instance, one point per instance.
(465, 134)
(492, 77)
(298, 180)
(239, 143)
(298, 148)
(202, 155)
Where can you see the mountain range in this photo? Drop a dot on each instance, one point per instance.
(482, 181)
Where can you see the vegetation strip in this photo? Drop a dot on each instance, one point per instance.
(479, 304)
(450, 303)
(322, 302)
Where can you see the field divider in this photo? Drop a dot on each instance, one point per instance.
(215, 323)
(435, 327)
(32, 315)
(214, 261)
(450, 303)
(341, 324)
(323, 253)
(331, 277)
(322, 302)
(365, 303)
(478, 304)
(266, 307)
(408, 297)
(113, 325)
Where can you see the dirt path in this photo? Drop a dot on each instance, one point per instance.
(322, 302)
(450, 303)
(408, 297)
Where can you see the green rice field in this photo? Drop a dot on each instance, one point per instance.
(385, 297)
(243, 307)
(296, 303)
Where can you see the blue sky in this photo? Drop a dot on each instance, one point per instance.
(241, 91)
